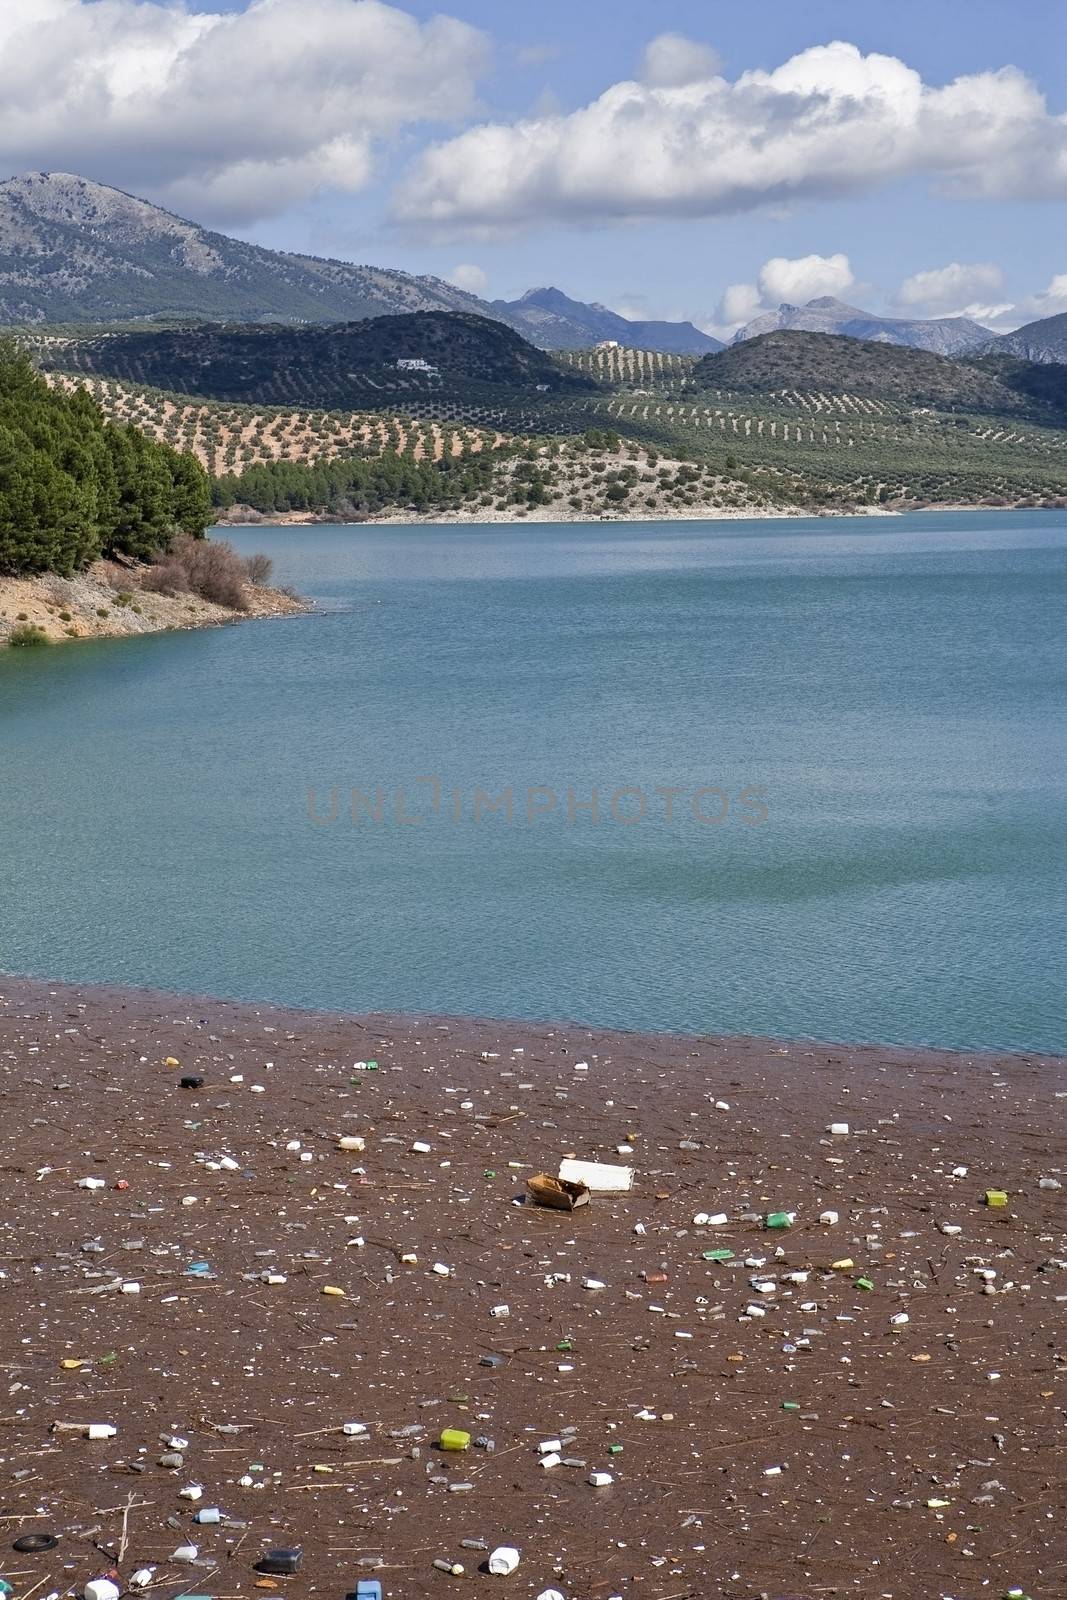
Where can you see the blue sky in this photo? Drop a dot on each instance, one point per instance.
(349, 128)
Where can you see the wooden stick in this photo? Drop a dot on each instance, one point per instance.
(124, 1540)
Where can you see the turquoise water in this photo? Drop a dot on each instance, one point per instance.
(888, 694)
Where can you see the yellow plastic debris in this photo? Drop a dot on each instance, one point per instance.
(329, 1288)
(844, 1265)
(995, 1197)
(70, 1365)
(172, 1061)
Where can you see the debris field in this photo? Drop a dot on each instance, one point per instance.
(280, 1313)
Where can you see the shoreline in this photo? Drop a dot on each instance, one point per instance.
(107, 602)
(483, 517)
(480, 516)
(861, 1406)
(142, 998)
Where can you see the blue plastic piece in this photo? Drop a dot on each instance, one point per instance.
(368, 1589)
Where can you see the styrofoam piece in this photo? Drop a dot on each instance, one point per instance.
(597, 1175)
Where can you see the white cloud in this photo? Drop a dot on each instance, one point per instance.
(829, 121)
(739, 304)
(966, 290)
(1051, 301)
(470, 277)
(804, 278)
(233, 115)
(794, 280)
(944, 290)
(671, 60)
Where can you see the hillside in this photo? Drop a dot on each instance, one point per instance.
(822, 422)
(76, 251)
(642, 371)
(832, 364)
(1044, 341)
(551, 319)
(343, 365)
(945, 336)
(229, 438)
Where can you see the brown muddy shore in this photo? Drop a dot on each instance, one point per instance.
(819, 1449)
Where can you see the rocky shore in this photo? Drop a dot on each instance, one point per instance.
(104, 602)
(817, 1349)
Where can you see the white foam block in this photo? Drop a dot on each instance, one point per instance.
(596, 1175)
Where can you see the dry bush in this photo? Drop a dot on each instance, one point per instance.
(208, 568)
(115, 575)
(259, 568)
(165, 576)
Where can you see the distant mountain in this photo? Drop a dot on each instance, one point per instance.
(449, 356)
(553, 320)
(944, 336)
(1045, 340)
(833, 364)
(76, 251)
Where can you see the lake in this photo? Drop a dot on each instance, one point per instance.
(829, 759)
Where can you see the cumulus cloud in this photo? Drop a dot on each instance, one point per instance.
(943, 290)
(1048, 302)
(976, 290)
(802, 278)
(233, 115)
(829, 121)
(470, 277)
(791, 279)
(671, 60)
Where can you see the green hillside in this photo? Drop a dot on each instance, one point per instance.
(344, 365)
(833, 364)
(789, 418)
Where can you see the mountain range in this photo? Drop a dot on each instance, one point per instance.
(76, 251)
(1044, 341)
(551, 319)
(944, 336)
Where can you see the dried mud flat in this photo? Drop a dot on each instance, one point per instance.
(819, 1449)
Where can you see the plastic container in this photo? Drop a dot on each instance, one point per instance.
(101, 1589)
(454, 1439)
(279, 1562)
(503, 1561)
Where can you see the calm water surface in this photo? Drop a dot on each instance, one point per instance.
(896, 690)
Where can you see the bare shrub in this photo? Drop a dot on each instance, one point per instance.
(259, 568)
(114, 575)
(213, 570)
(165, 576)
